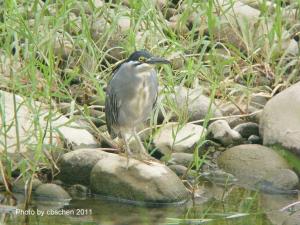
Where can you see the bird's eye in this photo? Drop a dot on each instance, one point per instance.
(142, 59)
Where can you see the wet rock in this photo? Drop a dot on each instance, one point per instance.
(281, 179)
(78, 191)
(221, 132)
(192, 103)
(51, 192)
(184, 159)
(258, 167)
(184, 140)
(63, 131)
(149, 183)
(178, 169)
(253, 139)
(219, 177)
(76, 166)
(247, 129)
(19, 186)
(280, 120)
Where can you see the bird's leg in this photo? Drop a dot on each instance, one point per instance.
(143, 154)
(128, 151)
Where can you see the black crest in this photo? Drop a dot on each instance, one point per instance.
(137, 54)
(134, 57)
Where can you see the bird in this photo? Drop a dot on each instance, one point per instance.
(131, 95)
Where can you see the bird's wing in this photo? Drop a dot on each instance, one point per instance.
(111, 111)
(155, 88)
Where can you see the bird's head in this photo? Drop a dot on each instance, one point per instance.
(144, 61)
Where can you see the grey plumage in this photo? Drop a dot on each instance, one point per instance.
(130, 98)
(131, 95)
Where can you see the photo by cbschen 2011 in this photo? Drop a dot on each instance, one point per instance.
(150, 112)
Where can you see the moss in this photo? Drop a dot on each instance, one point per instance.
(292, 159)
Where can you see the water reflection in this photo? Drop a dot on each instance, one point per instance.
(214, 205)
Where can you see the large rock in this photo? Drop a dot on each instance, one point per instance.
(258, 167)
(280, 120)
(137, 181)
(175, 138)
(63, 130)
(76, 166)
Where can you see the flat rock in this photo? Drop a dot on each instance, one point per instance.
(280, 120)
(140, 182)
(258, 167)
(76, 166)
(220, 131)
(174, 138)
(63, 130)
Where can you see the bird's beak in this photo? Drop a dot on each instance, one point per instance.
(157, 60)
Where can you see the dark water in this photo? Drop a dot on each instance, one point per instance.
(214, 206)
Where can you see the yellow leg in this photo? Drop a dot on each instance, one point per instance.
(143, 154)
(128, 151)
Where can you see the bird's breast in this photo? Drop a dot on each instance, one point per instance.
(140, 97)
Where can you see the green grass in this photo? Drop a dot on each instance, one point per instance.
(56, 43)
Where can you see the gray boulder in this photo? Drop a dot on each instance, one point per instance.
(175, 138)
(137, 181)
(76, 166)
(280, 120)
(258, 167)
